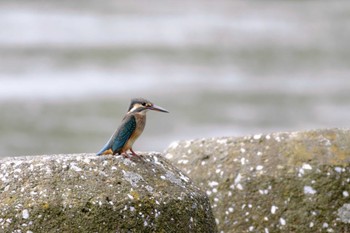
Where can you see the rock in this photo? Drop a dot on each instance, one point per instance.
(89, 193)
(281, 182)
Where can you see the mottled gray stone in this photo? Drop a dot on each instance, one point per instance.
(344, 213)
(280, 182)
(89, 193)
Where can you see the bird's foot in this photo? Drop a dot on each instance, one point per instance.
(134, 154)
(125, 155)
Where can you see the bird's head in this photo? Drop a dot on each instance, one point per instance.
(142, 106)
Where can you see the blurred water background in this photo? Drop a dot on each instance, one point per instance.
(222, 68)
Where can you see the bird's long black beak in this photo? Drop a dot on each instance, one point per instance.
(157, 108)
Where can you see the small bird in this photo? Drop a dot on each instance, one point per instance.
(130, 129)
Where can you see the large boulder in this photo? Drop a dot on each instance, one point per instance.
(280, 182)
(88, 193)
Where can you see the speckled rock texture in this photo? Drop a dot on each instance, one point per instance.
(281, 182)
(89, 193)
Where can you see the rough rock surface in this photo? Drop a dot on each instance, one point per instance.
(281, 182)
(89, 193)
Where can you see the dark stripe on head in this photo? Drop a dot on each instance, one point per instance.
(138, 101)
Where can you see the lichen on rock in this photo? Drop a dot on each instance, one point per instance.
(280, 182)
(89, 193)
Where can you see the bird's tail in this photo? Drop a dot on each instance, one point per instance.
(105, 150)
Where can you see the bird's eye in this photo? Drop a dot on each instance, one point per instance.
(144, 104)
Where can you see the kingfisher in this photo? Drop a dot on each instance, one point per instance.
(130, 129)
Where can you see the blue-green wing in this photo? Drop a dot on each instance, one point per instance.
(121, 136)
(124, 132)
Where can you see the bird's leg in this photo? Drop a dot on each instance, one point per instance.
(133, 153)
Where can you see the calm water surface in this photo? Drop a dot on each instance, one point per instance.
(68, 70)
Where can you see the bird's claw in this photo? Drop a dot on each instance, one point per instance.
(125, 155)
(134, 154)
